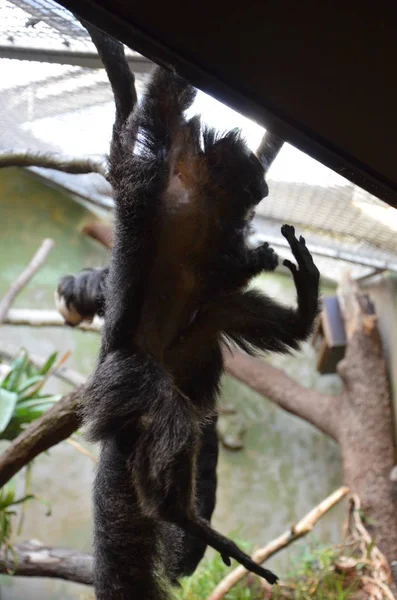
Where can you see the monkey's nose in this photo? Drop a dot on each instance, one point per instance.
(265, 189)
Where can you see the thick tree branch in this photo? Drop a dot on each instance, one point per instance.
(52, 161)
(319, 409)
(32, 559)
(102, 232)
(23, 279)
(57, 424)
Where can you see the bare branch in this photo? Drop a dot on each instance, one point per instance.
(319, 409)
(77, 446)
(102, 232)
(300, 529)
(45, 318)
(37, 261)
(268, 149)
(56, 425)
(32, 559)
(52, 161)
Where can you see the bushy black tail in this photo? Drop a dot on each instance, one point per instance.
(128, 554)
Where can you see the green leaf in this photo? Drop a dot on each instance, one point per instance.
(18, 368)
(48, 364)
(24, 499)
(7, 495)
(29, 382)
(8, 401)
(26, 414)
(33, 402)
(5, 381)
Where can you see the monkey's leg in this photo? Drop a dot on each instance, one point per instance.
(80, 297)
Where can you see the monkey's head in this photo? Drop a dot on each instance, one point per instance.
(236, 172)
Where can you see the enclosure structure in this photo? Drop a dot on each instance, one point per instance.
(55, 93)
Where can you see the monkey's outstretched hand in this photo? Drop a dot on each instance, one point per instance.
(306, 276)
(307, 272)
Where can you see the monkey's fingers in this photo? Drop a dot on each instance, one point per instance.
(290, 265)
(226, 560)
(298, 248)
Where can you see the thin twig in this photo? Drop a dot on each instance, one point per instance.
(23, 279)
(45, 318)
(377, 569)
(52, 161)
(81, 449)
(300, 529)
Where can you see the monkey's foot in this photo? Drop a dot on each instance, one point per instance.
(64, 302)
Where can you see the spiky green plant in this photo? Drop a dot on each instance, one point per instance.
(21, 397)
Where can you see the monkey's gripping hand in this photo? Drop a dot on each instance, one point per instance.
(80, 297)
(306, 276)
(263, 258)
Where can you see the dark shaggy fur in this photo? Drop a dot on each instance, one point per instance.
(174, 291)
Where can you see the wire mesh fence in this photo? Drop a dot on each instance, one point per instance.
(50, 103)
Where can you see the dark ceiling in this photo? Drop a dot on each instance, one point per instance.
(319, 74)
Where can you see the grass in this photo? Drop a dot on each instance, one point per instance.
(312, 577)
(209, 574)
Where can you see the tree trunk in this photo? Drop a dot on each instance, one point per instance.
(365, 436)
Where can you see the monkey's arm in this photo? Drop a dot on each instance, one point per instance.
(233, 271)
(255, 321)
